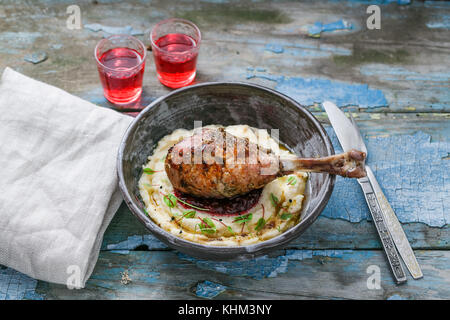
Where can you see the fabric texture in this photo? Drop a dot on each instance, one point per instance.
(58, 181)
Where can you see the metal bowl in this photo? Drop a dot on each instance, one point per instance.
(225, 103)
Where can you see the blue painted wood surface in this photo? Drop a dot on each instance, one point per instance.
(414, 174)
(291, 274)
(396, 82)
(311, 91)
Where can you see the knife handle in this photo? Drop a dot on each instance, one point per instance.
(384, 234)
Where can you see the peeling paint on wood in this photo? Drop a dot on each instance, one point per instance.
(163, 275)
(275, 48)
(113, 30)
(36, 57)
(441, 22)
(317, 28)
(435, 95)
(134, 242)
(261, 267)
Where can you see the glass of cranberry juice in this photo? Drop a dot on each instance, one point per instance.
(175, 46)
(121, 62)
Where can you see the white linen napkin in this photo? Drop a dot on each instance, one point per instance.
(58, 182)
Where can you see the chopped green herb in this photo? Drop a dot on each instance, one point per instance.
(149, 171)
(274, 200)
(286, 216)
(189, 214)
(230, 230)
(278, 228)
(170, 200)
(244, 218)
(292, 181)
(260, 224)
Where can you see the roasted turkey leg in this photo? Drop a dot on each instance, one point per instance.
(216, 164)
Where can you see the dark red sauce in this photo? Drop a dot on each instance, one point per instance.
(234, 206)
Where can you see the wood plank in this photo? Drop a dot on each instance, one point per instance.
(402, 69)
(126, 233)
(343, 224)
(297, 274)
(405, 63)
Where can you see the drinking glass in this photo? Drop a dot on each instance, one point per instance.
(175, 47)
(121, 63)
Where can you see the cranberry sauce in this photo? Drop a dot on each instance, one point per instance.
(234, 206)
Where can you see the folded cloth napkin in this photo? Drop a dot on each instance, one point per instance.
(58, 182)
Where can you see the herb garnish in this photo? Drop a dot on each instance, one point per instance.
(188, 204)
(244, 218)
(228, 227)
(260, 224)
(286, 216)
(207, 226)
(149, 171)
(189, 214)
(173, 198)
(292, 181)
(274, 200)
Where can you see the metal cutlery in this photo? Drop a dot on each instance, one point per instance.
(392, 236)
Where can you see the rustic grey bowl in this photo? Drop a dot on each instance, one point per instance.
(225, 103)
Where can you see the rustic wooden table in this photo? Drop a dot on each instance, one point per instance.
(395, 81)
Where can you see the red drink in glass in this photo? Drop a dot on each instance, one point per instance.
(175, 44)
(121, 63)
(176, 68)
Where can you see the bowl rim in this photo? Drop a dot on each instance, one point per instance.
(255, 248)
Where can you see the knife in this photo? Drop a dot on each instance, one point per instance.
(388, 227)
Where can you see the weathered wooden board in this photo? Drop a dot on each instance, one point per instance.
(127, 233)
(422, 198)
(295, 274)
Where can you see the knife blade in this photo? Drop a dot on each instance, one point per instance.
(349, 137)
